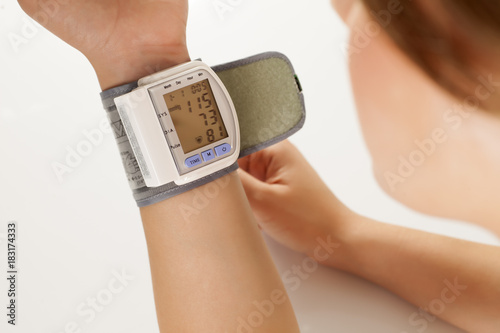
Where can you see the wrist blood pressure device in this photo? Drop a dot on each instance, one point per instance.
(181, 123)
(186, 126)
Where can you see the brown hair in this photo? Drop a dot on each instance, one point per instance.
(453, 41)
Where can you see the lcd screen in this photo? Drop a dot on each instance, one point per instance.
(195, 115)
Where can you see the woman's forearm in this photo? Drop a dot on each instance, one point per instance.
(456, 280)
(210, 267)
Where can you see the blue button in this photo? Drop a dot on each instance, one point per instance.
(208, 155)
(222, 149)
(193, 161)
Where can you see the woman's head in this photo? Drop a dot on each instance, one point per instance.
(453, 41)
(422, 72)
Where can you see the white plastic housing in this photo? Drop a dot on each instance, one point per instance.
(159, 154)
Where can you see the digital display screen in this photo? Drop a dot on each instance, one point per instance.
(195, 115)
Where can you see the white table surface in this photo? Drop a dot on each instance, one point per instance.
(75, 234)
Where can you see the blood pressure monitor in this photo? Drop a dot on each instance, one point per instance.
(181, 123)
(186, 126)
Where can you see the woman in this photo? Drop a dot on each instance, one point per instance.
(195, 263)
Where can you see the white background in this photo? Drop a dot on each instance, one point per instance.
(74, 233)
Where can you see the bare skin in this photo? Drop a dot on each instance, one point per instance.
(209, 268)
(295, 207)
(397, 105)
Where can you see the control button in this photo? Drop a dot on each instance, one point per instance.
(208, 155)
(222, 149)
(193, 161)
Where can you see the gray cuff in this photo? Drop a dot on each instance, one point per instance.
(268, 100)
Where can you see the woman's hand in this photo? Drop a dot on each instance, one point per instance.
(291, 202)
(123, 39)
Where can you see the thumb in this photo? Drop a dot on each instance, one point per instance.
(256, 190)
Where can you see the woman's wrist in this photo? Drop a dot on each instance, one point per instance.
(113, 71)
(340, 237)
